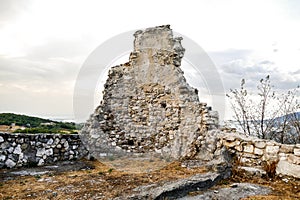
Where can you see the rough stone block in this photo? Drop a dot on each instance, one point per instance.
(248, 148)
(293, 159)
(287, 148)
(282, 156)
(41, 162)
(49, 152)
(270, 157)
(287, 168)
(239, 148)
(18, 150)
(50, 141)
(297, 152)
(253, 171)
(2, 158)
(40, 152)
(272, 149)
(230, 138)
(246, 161)
(10, 149)
(258, 151)
(249, 155)
(9, 163)
(260, 144)
(1, 139)
(229, 144)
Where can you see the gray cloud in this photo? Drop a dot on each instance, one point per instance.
(241, 68)
(25, 70)
(42, 88)
(297, 72)
(61, 47)
(234, 71)
(266, 62)
(221, 57)
(233, 65)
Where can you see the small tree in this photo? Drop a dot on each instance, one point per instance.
(266, 114)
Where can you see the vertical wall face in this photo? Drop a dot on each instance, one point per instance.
(147, 104)
(21, 149)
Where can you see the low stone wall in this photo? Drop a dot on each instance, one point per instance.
(252, 152)
(19, 149)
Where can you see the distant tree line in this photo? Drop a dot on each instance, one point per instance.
(36, 124)
(21, 120)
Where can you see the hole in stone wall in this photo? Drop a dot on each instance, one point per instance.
(163, 104)
(143, 119)
(130, 142)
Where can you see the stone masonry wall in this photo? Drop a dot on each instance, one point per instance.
(253, 152)
(147, 104)
(18, 149)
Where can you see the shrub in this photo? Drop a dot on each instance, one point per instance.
(270, 168)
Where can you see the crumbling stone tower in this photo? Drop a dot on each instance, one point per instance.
(147, 106)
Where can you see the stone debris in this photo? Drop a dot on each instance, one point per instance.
(252, 171)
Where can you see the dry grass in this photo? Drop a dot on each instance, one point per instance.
(282, 187)
(270, 168)
(103, 182)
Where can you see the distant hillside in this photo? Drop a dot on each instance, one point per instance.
(36, 124)
(21, 120)
(290, 136)
(293, 116)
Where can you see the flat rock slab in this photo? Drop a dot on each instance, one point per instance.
(240, 190)
(176, 189)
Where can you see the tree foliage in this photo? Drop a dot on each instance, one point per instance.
(267, 114)
(21, 120)
(36, 124)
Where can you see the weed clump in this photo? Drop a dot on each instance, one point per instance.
(270, 168)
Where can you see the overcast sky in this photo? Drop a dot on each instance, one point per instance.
(43, 44)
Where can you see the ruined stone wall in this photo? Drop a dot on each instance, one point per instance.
(253, 152)
(20, 149)
(147, 104)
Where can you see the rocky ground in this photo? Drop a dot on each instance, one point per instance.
(95, 180)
